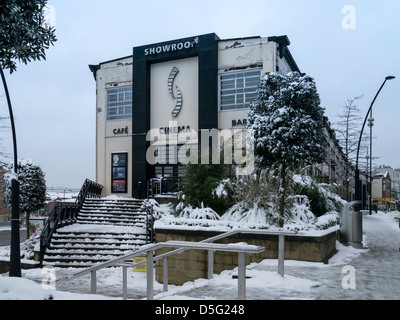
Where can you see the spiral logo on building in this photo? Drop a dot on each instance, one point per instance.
(178, 97)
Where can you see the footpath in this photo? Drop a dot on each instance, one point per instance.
(371, 273)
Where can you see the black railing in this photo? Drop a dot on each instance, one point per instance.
(89, 189)
(66, 213)
(150, 235)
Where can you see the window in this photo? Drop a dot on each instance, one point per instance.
(119, 103)
(238, 89)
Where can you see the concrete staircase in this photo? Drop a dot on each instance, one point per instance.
(105, 229)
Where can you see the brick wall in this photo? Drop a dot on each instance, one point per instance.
(192, 264)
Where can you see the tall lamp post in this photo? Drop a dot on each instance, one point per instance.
(357, 172)
(370, 125)
(15, 258)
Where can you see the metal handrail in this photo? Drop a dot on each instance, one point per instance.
(281, 249)
(90, 189)
(146, 249)
(63, 214)
(241, 249)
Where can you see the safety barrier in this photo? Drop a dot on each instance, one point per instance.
(180, 246)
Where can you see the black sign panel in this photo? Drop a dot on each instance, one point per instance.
(119, 173)
(205, 47)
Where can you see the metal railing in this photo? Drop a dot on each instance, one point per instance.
(148, 250)
(207, 244)
(150, 235)
(90, 189)
(66, 213)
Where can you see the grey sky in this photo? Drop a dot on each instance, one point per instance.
(54, 100)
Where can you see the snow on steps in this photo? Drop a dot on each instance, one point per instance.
(105, 230)
(120, 212)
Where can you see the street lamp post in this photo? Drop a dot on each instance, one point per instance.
(15, 259)
(357, 171)
(370, 125)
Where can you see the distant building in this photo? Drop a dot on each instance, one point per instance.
(395, 178)
(382, 191)
(336, 169)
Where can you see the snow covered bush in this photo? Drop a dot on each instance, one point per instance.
(257, 199)
(288, 124)
(208, 186)
(287, 120)
(256, 215)
(199, 213)
(301, 211)
(32, 187)
(256, 207)
(253, 189)
(158, 210)
(322, 200)
(328, 220)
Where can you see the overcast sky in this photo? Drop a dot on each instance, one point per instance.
(54, 101)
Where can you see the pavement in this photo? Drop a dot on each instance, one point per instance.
(5, 236)
(369, 273)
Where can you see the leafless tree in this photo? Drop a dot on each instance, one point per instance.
(348, 129)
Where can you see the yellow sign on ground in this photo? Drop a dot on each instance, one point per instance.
(142, 267)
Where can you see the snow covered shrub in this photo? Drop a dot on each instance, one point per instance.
(330, 219)
(254, 216)
(332, 193)
(253, 190)
(288, 124)
(32, 187)
(208, 186)
(321, 200)
(158, 210)
(199, 213)
(257, 199)
(301, 209)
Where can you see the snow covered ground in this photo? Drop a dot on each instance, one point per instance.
(355, 274)
(36, 283)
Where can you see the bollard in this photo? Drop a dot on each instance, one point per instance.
(241, 276)
(124, 283)
(281, 255)
(150, 275)
(93, 282)
(210, 271)
(165, 274)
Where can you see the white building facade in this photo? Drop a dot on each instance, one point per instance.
(175, 87)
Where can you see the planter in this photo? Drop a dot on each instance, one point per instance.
(192, 264)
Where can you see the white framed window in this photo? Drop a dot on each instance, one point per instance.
(238, 89)
(119, 103)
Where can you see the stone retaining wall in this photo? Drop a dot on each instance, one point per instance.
(5, 266)
(192, 264)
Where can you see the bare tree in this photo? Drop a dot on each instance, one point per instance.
(348, 133)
